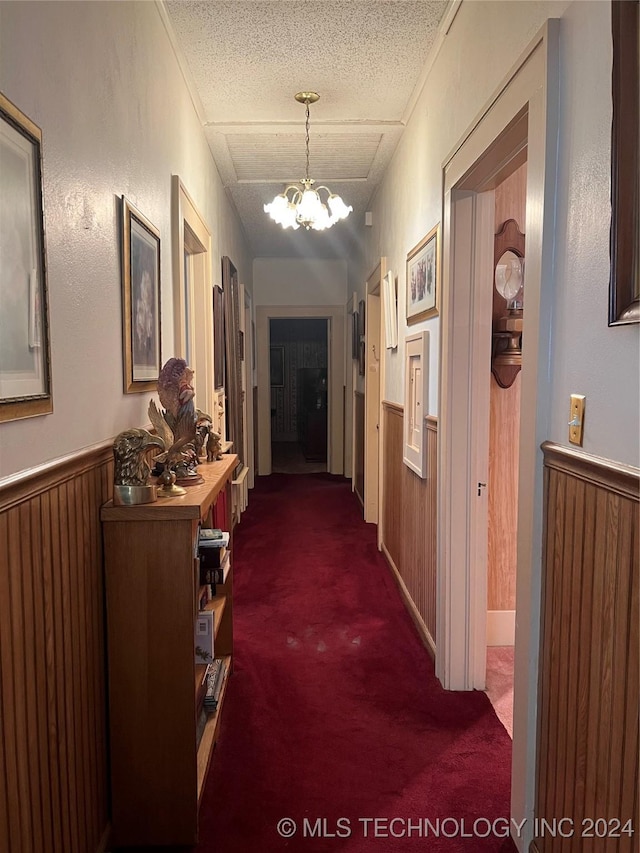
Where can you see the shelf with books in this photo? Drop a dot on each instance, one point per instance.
(210, 733)
(160, 744)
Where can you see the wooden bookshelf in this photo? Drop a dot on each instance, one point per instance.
(157, 769)
(210, 734)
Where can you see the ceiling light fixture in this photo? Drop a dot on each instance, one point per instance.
(302, 205)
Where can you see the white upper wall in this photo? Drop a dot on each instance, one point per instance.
(102, 82)
(293, 281)
(587, 356)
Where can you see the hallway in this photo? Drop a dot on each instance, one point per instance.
(333, 710)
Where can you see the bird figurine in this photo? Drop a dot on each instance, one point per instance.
(175, 443)
(129, 453)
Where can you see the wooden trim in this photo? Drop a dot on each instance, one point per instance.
(418, 621)
(615, 476)
(431, 421)
(27, 484)
(388, 406)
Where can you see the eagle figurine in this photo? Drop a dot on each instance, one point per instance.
(129, 454)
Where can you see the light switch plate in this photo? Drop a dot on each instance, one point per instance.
(576, 419)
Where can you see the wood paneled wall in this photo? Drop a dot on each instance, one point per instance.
(409, 520)
(504, 433)
(502, 495)
(52, 657)
(588, 685)
(358, 461)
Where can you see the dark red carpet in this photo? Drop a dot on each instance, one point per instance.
(333, 715)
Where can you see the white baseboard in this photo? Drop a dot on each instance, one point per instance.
(501, 627)
(418, 621)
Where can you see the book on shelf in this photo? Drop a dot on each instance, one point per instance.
(209, 543)
(202, 671)
(204, 636)
(215, 680)
(205, 594)
(215, 574)
(211, 534)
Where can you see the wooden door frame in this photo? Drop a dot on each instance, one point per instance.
(189, 231)
(531, 86)
(335, 315)
(373, 393)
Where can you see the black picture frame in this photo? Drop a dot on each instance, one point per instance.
(218, 338)
(355, 335)
(624, 282)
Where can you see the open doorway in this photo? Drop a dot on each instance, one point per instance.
(298, 378)
(510, 196)
(519, 122)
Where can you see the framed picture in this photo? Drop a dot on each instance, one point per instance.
(361, 357)
(423, 278)
(416, 401)
(140, 301)
(218, 337)
(25, 366)
(362, 328)
(355, 335)
(390, 303)
(624, 283)
(276, 366)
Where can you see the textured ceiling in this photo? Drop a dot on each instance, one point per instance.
(246, 60)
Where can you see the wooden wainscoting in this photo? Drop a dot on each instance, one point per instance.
(409, 521)
(588, 685)
(358, 449)
(52, 657)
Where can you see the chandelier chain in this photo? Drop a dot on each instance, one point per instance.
(307, 140)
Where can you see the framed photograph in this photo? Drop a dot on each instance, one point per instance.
(423, 278)
(218, 337)
(390, 303)
(140, 301)
(355, 335)
(624, 282)
(276, 366)
(416, 401)
(361, 357)
(362, 328)
(25, 366)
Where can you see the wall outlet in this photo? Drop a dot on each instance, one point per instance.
(576, 419)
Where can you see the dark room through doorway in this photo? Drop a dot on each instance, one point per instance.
(298, 361)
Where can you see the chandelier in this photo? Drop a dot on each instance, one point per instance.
(301, 204)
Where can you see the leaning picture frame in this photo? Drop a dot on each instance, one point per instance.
(25, 361)
(355, 335)
(218, 338)
(624, 281)
(141, 330)
(423, 278)
(390, 304)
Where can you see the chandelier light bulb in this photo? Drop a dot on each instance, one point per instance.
(300, 204)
